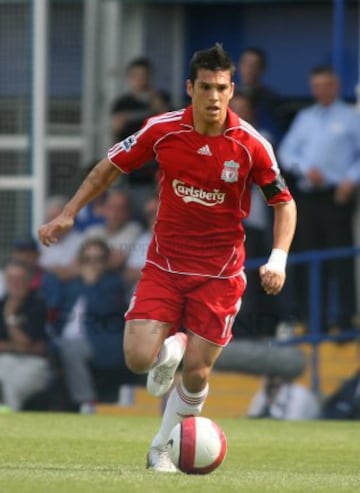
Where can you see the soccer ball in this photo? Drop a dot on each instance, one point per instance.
(197, 445)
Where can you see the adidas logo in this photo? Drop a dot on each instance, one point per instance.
(205, 150)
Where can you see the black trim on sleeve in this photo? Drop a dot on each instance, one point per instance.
(274, 188)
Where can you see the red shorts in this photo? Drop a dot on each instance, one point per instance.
(203, 305)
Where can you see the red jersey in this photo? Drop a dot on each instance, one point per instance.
(205, 185)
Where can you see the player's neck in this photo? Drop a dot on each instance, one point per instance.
(209, 129)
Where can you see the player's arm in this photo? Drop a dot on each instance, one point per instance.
(284, 225)
(273, 273)
(267, 175)
(100, 178)
(96, 182)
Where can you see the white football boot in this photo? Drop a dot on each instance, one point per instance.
(161, 377)
(158, 460)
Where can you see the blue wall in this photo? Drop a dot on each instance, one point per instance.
(295, 38)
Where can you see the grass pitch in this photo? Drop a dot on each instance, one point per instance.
(48, 453)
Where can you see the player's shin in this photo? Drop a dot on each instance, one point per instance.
(180, 404)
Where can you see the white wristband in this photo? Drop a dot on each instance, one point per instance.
(277, 260)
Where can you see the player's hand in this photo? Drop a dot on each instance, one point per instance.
(272, 279)
(50, 233)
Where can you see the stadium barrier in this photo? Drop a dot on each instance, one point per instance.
(315, 336)
(260, 358)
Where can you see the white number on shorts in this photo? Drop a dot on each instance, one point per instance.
(229, 320)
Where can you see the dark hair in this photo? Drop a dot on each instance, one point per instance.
(259, 53)
(141, 61)
(18, 263)
(323, 70)
(25, 243)
(213, 59)
(95, 242)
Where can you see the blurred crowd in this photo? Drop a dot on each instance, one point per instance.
(62, 308)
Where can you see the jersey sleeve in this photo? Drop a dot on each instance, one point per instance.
(134, 151)
(266, 174)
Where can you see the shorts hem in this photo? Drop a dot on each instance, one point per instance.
(208, 340)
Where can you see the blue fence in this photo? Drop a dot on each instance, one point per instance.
(315, 335)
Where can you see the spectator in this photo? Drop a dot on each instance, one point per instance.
(322, 151)
(119, 230)
(60, 260)
(141, 101)
(137, 257)
(89, 324)
(24, 369)
(27, 251)
(251, 69)
(344, 403)
(280, 399)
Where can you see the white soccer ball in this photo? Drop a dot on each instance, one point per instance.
(197, 445)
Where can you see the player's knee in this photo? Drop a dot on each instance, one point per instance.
(138, 361)
(142, 343)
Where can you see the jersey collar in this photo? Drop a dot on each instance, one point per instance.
(232, 120)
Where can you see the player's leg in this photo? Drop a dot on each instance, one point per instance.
(188, 396)
(148, 348)
(186, 399)
(209, 316)
(143, 340)
(154, 312)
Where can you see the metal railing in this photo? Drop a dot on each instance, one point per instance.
(315, 336)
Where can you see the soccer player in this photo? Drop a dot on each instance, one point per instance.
(194, 275)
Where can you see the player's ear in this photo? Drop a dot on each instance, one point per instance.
(189, 88)
(232, 90)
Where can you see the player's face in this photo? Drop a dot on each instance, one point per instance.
(210, 94)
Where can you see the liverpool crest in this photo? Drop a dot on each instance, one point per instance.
(230, 172)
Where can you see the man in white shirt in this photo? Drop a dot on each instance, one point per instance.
(322, 152)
